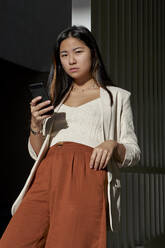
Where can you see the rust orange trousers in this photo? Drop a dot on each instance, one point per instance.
(65, 206)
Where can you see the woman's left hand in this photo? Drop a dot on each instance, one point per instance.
(102, 154)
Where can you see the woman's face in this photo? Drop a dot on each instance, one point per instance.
(75, 58)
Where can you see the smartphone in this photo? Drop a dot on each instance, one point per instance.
(38, 89)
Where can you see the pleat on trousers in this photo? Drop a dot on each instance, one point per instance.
(65, 206)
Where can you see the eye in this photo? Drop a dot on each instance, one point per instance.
(79, 51)
(63, 55)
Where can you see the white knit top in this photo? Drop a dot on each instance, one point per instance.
(80, 124)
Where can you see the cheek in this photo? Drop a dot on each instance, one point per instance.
(86, 61)
(64, 65)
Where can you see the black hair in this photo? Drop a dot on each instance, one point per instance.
(59, 81)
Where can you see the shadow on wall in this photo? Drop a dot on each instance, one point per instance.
(157, 242)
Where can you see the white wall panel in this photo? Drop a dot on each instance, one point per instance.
(81, 13)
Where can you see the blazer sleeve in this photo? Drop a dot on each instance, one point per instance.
(127, 134)
(31, 150)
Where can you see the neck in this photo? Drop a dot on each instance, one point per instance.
(83, 83)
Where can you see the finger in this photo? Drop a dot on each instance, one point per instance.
(39, 116)
(35, 100)
(98, 158)
(107, 160)
(42, 117)
(92, 159)
(103, 159)
(41, 105)
(45, 110)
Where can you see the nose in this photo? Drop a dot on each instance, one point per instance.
(72, 59)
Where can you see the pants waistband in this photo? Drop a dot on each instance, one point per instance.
(71, 145)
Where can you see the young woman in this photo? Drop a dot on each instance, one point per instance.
(72, 195)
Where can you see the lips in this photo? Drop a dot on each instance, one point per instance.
(74, 69)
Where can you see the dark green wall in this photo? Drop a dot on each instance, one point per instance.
(131, 36)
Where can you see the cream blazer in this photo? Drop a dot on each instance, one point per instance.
(117, 124)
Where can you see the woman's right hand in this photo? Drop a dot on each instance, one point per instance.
(39, 112)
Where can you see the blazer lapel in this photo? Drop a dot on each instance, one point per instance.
(106, 112)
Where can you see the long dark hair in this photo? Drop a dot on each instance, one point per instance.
(59, 81)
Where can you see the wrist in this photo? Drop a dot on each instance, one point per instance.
(34, 132)
(35, 129)
(35, 126)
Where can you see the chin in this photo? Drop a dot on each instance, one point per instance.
(77, 77)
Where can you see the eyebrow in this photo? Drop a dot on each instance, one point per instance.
(73, 49)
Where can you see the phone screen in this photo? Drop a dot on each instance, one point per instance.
(38, 89)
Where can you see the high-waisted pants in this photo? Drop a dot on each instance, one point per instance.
(65, 206)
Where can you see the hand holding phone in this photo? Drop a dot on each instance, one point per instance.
(38, 89)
